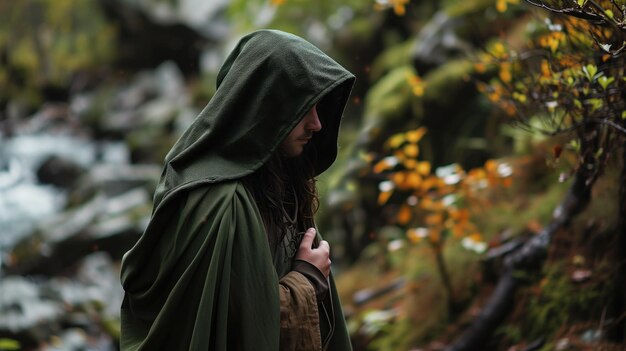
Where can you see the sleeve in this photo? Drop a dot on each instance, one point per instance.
(315, 277)
(299, 315)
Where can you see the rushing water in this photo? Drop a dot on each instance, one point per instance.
(23, 201)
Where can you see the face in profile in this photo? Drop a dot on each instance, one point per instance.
(294, 143)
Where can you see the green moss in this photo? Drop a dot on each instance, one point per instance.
(561, 302)
(390, 97)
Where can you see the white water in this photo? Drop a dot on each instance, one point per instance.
(23, 202)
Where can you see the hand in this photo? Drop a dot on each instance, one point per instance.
(319, 257)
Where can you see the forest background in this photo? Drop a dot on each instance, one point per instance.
(478, 201)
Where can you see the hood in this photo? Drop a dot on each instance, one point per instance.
(266, 86)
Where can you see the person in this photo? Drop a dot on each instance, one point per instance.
(230, 259)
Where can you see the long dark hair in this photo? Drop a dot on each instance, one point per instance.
(284, 186)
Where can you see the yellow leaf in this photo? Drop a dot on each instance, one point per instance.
(477, 174)
(399, 179)
(383, 197)
(416, 235)
(399, 10)
(418, 90)
(404, 215)
(411, 150)
(413, 79)
(458, 231)
(413, 180)
(460, 216)
(491, 166)
(416, 135)
(498, 50)
(434, 219)
(545, 68)
(277, 2)
(505, 72)
(396, 140)
(410, 163)
(480, 67)
(423, 168)
(431, 183)
(434, 236)
(476, 237)
(382, 165)
(501, 5)
(399, 155)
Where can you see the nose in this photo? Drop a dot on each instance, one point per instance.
(313, 122)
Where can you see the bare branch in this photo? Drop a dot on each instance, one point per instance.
(607, 18)
(589, 16)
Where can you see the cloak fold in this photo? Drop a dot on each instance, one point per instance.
(207, 282)
(202, 275)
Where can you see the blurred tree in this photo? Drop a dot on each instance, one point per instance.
(436, 207)
(569, 81)
(45, 44)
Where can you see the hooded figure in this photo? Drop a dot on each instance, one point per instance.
(206, 275)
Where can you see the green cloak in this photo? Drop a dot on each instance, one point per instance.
(202, 276)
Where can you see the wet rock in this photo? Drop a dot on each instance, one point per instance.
(58, 171)
(64, 313)
(109, 224)
(170, 82)
(25, 315)
(116, 179)
(141, 89)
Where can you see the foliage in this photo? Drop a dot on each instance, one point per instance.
(314, 19)
(45, 43)
(434, 207)
(570, 75)
(9, 344)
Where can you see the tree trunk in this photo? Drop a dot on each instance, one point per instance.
(445, 279)
(617, 332)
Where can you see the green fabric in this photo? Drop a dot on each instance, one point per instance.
(202, 276)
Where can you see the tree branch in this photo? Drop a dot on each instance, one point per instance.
(589, 16)
(529, 257)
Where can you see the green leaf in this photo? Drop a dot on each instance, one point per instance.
(623, 114)
(519, 97)
(604, 81)
(609, 13)
(590, 71)
(581, 3)
(599, 152)
(9, 344)
(595, 103)
(578, 104)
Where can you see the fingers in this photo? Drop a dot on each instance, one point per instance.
(307, 240)
(324, 245)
